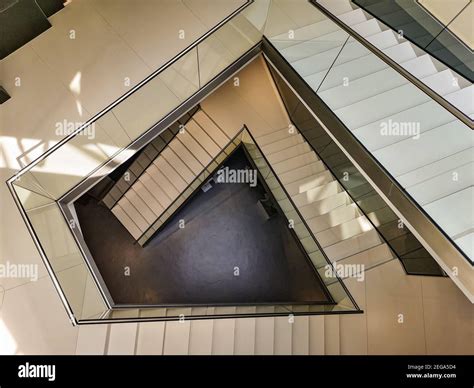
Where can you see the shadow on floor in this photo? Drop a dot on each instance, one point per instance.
(224, 233)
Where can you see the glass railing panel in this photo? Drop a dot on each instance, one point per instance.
(448, 49)
(286, 16)
(63, 255)
(182, 77)
(68, 165)
(84, 153)
(353, 62)
(299, 226)
(225, 46)
(405, 15)
(257, 14)
(421, 28)
(309, 41)
(365, 199)
(144, 108)
(392, 117)
(32, 194)
(187, 313)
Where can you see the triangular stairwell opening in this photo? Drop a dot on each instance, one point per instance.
(229, 243)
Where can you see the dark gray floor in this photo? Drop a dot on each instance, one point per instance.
(196, 265)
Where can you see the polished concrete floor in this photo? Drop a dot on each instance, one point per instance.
(227, 252)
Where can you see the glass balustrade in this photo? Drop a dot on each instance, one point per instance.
(89, 150)
(420, 27)
(422, 147)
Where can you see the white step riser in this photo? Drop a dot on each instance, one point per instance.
(170, 174)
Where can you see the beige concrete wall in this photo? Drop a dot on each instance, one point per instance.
(448, 12)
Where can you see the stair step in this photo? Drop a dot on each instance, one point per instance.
(367, 27)
(195, 148)
(442, 185)
(354, 245)
(337, 7)
(179, 166)
(383, 39)
(311, 48)
(306, 33)
(371, 134)
(274, 136)
(214, 132)
(283, 336)
(264, 332)
(133, 213)
(152, 186)
(295, 162)
(402, 52)
(280, 145)
(463, 99)
(137, 206)
(170, 173)
(316, 335)
(200, 337)
(177, 335)
(361, 89)
(148, 198)
(300, 343)
(331, 335)
(421, 66)
(244, 341)
(309, 183)
(164, 183)
(319, 193)
(353, 17)
(376, 255)
(288, 153)
(150, 338)
(202, 138)
(314, 67)
(381, 106)
(302, 172)
(433, 169)
(223, 333)
(432, 146)
(122, 338)
(91, 339)
(352, 70)
(325, 205)
(126, 221)
(333, 218)
(186, 157)
(344, 231)
(442, 83)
